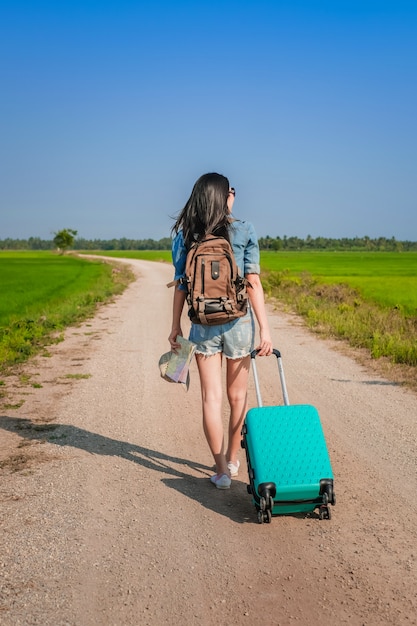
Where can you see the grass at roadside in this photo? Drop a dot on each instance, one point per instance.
(337, 310)
(43, 293)
(367, 299)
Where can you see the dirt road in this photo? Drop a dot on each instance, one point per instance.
(108, 516)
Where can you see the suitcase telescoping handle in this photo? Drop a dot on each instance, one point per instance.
(281, 376)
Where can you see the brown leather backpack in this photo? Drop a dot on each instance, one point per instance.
(216, 294)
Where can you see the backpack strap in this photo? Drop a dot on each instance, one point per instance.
(201, 312)
(178, 281)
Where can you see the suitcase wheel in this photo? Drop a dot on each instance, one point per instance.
(264, 517)
(327, 491)
(325, 512)
(266, 504)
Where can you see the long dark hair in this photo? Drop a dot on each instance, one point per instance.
(205, 212)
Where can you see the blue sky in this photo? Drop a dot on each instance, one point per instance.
(110, 111)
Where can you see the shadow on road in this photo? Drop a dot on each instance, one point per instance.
(234, 503)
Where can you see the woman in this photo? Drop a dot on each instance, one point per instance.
(208, 211)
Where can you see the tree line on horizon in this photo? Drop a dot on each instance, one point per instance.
(285, 243)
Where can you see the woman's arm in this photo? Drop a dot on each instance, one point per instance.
(257, 301)
(179, 256)
(177, 307)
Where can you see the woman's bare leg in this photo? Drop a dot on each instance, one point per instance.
(210, 369)
(237, 392)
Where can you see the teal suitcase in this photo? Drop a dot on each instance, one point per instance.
(288, 462)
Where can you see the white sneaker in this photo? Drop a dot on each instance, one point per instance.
(222, 482)
(233, 469)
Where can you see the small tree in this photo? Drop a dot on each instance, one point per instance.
(64, 239)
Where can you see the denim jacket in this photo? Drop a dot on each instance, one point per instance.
(244, 243)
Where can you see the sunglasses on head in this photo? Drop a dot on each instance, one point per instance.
(232, 191)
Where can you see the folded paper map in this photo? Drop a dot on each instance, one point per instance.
(174, 367)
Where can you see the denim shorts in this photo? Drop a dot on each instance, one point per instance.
(234, 339)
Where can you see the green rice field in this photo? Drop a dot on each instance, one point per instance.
(387, 278)
(32, 282)
(42, 293)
